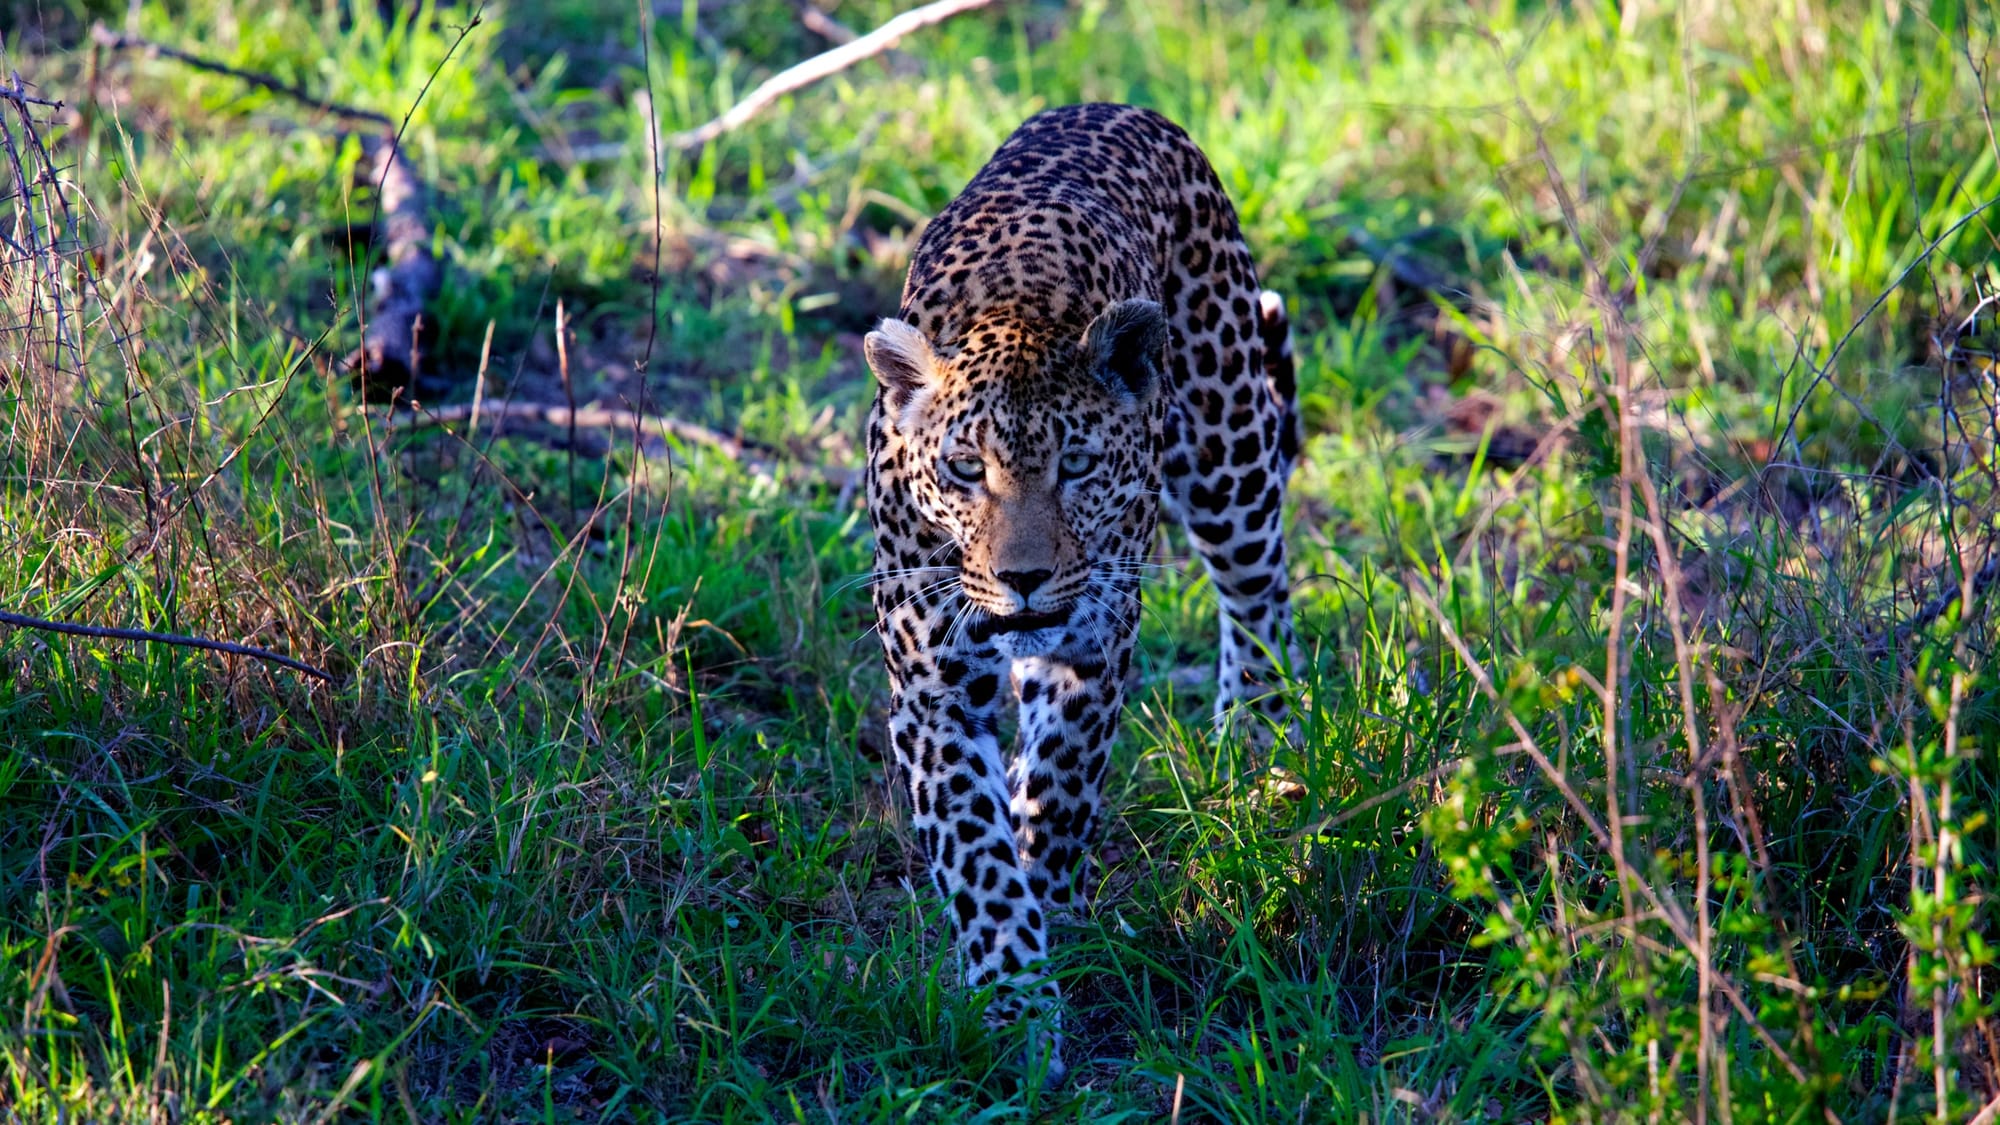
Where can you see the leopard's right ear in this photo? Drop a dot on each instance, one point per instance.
(1124, 345)
(902, 360)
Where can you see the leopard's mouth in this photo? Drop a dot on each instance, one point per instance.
(997, 624)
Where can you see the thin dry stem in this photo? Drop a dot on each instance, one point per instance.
(181, 640)
(823, 66)
(108, 39)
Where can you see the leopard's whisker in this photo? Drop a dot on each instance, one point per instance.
(960, 623)
(943, 583)
(1103, 652)
(875, 574)
(1144, 609)
(870, 578)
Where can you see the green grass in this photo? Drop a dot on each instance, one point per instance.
(593, 824)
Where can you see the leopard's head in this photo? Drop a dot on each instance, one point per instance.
(1038, 456)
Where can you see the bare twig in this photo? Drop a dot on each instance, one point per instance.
(1824, 370)
(1976, 584)
(43, 247)
(825, 26)
(568, 386)
(641, 368)
(823, 66)
(23, 621)
(18, 92)
(117, 41)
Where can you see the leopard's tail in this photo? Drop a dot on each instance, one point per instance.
(1274, 331)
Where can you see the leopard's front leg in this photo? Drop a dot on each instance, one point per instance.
(958, 794)
(1070, 710)
(943, 728)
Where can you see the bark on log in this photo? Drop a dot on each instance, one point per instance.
(390, 357)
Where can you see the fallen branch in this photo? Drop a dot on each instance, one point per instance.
(23, 621)
(753, 454)
(586, 417)
(823, 66)
(116, 41)
(1413, 273)
(1401, 266)
(388, 357)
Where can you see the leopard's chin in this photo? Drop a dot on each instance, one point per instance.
(1024, 634)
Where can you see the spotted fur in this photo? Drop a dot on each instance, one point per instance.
(1081, 336)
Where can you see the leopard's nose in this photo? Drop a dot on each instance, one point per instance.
(1024, 582)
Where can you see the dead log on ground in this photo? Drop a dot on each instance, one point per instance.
(390, 356)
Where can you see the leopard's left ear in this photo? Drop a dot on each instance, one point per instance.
(902, 360)
(1123, 347)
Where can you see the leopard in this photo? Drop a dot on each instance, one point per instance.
(1081, 341)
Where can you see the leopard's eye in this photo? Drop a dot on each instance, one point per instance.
(1078, 464)
(966, 470)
